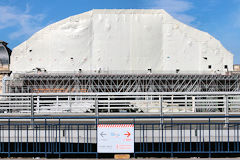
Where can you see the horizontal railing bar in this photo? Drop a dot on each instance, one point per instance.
(120, 93)
(127, 117)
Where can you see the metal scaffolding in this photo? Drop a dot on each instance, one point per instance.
(77, 82)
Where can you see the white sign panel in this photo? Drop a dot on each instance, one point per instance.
(115, 138)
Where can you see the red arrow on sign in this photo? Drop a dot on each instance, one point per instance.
(127, 134)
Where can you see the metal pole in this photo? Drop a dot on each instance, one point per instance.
(209, 136)
(45, 128)
(59, 137)
(171, 137)
(108, 104)
(161, 108)
(96, 114)
(96, 135)
(9, 138)
(134, 154)
(226, 109)
(96, 105)
(193, 104)
(32, 109)
(38, 109)
(70, 104)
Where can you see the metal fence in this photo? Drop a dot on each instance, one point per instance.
(172, 135)
(120, 103)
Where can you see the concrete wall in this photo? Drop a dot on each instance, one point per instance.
(122, 40)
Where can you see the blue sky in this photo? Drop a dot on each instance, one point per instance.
(19, 19)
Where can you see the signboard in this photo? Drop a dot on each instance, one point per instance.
(115, 138)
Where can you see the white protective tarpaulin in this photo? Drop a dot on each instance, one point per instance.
(121, 40)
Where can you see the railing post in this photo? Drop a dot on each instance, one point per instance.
(134, 154)
(59, 137)
(70, 103)
(57, 102)
(171, 137)
(32, 106)
(32, 109)
(226, 110)
(38, 109)
(45, 128)
(96, 115)
(186, 103)
(193, 104)
(96, 105)
(161, 108)
(96, 135)
(109, 104)
(9, 138)
(209, 132)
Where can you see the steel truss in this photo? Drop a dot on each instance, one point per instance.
(50, 83)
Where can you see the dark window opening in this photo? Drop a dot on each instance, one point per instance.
(99, 70)
(30, 50)
(150, 70)
(209, 66)
(71, 57)
(177, 70)
(205, 58)
(226, 66)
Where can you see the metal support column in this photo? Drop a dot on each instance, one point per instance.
(96, 105)
(32, 109)
(226, 109)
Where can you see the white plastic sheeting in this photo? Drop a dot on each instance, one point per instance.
(79, 107)
(121, 40)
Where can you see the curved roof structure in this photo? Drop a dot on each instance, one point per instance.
(121, 40)
(4, 54)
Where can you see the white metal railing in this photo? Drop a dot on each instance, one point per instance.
(135, 103)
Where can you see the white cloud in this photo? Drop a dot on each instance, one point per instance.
(22, 22)
(176, 8)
